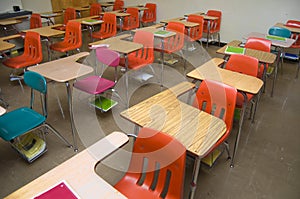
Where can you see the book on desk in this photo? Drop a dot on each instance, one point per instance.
(60, 190)
(234, 50)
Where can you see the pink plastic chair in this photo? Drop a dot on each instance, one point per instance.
(97, 84)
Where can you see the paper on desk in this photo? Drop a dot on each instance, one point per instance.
(92, 47)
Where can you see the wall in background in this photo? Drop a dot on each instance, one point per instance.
(7, 5)
(240, 17)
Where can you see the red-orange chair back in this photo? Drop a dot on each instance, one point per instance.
(32, 52)
(132, 21)
(246, 65)
(258, 44)
(72, 39)
(156, 169)
(217, 99)
(215, 25)
(118, 5)
(149, 15)
(108, 27)
(294, 24)
(145, 55)
(35, 21)
(70, 13)
(95, 9)
(175, 43)
(196, 33)
(243, 64)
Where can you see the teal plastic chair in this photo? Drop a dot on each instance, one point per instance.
(281, 32)
(23, 120)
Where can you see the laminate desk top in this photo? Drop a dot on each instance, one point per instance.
(173, 19)
(140, 8)
(7, 22)
(119, 45)
(118, 13)
(197, 130)
(264, 57)
(84, 20)
(6, 45)
(47, 31)
(48, 15)
(292, 29)
(284, 44)
(205, 17)
(79, 172)
(241, 82)
(64, 69)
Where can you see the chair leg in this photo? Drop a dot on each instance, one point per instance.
(58, 134)
(297, 72)
(227, 150)
(58, 102)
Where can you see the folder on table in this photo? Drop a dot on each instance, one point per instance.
(277, 38)
(234, 50)
(162, 33)
(61, 190)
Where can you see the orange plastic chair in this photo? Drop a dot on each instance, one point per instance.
(35, 21)
(163, 160)
(296, 45)
(217, 99)
(144, 56)
(72, 39)
(215, 25)
(132, 21)
(32, 55)
(195, 33)
(262, 45)
(108, 27)
(149, 15)
(246, 65)
(95, 9)
(118, 5)
(175, 43)
(69, 14)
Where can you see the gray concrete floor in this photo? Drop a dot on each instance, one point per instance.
(267, 164)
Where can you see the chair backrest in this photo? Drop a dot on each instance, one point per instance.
(177, 42)
(37, 82)
(109, 25)
(216, 23)
(35, 21)
(149, 15)
(293, 23)
(217, 99)
(243, 64)
(118, 5)
(70, 13)
(73, 35)
(132, 21)
(279, 31)
(163, 160)
(146, 54)
(107, 56)
(196, 32)
(33, 47)
(95, 9)
(258, 44)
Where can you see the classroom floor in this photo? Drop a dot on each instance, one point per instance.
(267, 164)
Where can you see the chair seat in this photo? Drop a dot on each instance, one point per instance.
(21, 61)
(19, 121)
(62, 46)
(134, 64)
(99, 35)
(94, 84)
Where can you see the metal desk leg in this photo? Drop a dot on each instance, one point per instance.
(276, 70)
(194, 177)
(162, 54)
(126, 80)
(71, 115)
(240, 129)
(207, 35)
